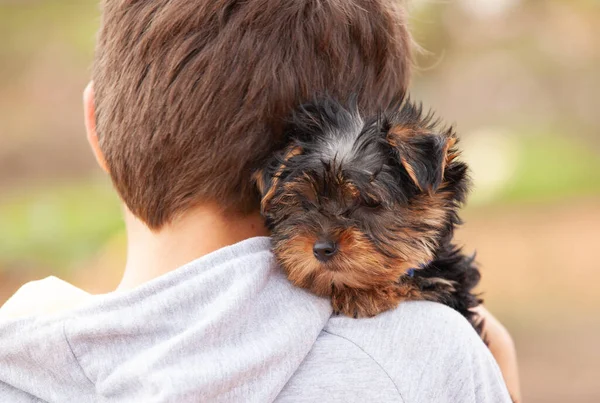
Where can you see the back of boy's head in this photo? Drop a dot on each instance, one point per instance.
(191, 95)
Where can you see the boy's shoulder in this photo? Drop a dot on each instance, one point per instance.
(409, 322)
(42, 297)
(419, 352)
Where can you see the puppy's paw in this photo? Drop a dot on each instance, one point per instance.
(436, 289)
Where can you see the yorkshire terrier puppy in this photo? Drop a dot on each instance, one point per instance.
(363, 209)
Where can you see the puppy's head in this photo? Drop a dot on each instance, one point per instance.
(357, 201)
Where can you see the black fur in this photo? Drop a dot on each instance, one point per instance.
(392, 173)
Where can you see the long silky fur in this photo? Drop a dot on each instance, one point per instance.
(388, 188)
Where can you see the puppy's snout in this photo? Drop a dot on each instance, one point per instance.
(324, 250)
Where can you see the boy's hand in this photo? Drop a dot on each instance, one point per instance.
(41, 297)
(503, 349)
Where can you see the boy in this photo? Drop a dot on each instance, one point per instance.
(188, 99)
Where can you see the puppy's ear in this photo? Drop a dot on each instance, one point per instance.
(423, 153)
(268, 179)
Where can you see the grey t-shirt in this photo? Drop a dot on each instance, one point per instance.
(229, 327)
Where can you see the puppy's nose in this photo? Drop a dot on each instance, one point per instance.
(324, 250)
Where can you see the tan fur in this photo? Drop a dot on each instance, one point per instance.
(350, 191)
(411, 172)
(357, 264)
(366, 303)
(448, 157)
(398, 134)
(291, 152)
(360, 279)
(369, 302)
(305, 186)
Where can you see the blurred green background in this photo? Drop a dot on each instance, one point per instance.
(519, 78)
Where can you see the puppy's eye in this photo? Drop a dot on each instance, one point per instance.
(306, 205)
(372, 203)
(348, 212)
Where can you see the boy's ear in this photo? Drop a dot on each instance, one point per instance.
(268, 178)
(424, 155)
(89, 110)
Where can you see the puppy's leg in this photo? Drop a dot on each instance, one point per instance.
(369, 302)
(435, 289)
(448, 292)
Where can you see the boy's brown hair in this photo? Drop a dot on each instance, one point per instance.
(191, 95)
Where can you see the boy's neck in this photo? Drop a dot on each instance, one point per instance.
(198, 232)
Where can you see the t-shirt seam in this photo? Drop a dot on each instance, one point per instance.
(74, 355)
(372, 358)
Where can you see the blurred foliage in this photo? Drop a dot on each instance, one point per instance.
(527, 67)
(553, 167)
(72, 23)
(53, 227)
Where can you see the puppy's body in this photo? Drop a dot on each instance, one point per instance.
(363, 210)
